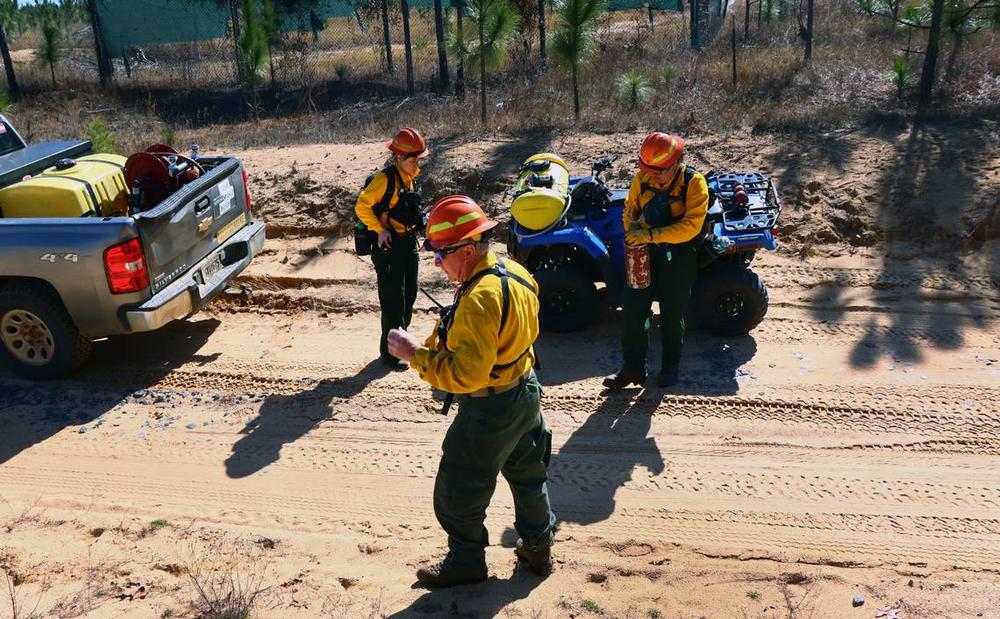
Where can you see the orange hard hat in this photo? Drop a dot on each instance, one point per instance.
(660, 151)
(408, 142)
(453, 219)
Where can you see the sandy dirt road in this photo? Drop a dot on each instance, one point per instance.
(849, 446)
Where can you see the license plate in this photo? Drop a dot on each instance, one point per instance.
(210, 269)
(229, 229)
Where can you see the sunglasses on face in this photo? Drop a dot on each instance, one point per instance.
(440, 254)
(658, 170)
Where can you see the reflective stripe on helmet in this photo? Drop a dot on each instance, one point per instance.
(445, 225)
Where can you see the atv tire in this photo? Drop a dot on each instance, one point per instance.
(38, 339)
(728, 300)
(567, 299)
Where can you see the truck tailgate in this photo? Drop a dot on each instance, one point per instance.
(193, 221)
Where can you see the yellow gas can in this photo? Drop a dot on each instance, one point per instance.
(542, 192)
(89, 185)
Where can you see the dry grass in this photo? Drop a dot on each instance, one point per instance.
(847, 83)
(226, 578)
(13, 599)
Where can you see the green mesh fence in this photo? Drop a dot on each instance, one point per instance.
(190, 43)
(127, 23)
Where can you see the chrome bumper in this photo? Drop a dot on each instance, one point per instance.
(190, 293)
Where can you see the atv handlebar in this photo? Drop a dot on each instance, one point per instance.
(602, 164)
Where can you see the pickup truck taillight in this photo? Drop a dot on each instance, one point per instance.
(126, 267)
(246, 189)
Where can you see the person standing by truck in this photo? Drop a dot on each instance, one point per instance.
(389, 206)
(483, 350)
(664, 211)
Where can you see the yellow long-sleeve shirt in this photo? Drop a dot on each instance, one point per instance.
(694, 211)
(475, 342)
(372, 195)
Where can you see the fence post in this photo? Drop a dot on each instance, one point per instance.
(442, 54)
(404, 6)
(386, 39)
(746, 22)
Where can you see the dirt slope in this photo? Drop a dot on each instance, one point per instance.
(848, 447)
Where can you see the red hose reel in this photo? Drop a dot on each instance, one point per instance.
(153, 175)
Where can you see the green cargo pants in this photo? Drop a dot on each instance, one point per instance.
(396, 269)
(503, 433)
(671, 283)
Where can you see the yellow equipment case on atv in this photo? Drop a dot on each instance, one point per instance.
(541, 196)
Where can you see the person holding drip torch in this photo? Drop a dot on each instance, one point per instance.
(482, 350)
(389, 206)
(664, 214)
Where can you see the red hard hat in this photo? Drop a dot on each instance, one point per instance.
(453, 219)
(660, 151)
(408, 142)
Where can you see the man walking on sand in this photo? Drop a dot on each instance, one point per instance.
(482, 350)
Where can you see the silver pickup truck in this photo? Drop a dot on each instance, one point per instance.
(65, 281)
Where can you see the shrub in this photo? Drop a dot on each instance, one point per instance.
(100, 136)
(634, 88)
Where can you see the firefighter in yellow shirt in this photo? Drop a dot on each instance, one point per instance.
(482, 350)
(665, 209)
(390, 207)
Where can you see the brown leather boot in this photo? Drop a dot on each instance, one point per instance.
(624, 378)
(540, 561)
(446, 574)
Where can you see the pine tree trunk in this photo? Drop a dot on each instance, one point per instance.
(442, 55)
(576, 95)
(541, 29)
(809, 31)
(8, 66)
(460, 71)
(387, 40)
(695, 44)
(404, 6)
(930, 61)
(235, 13)
(482, 74)
(105, 68)
(270, 59)
(956, 49)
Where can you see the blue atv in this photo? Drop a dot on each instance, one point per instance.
(587, 246)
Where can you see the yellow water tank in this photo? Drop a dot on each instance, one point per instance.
(542, 192)
(89, 185)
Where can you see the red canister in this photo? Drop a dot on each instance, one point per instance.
(637, 269)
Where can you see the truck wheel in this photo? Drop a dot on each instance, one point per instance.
(728, 300)
(39, 338)
(567, 298)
